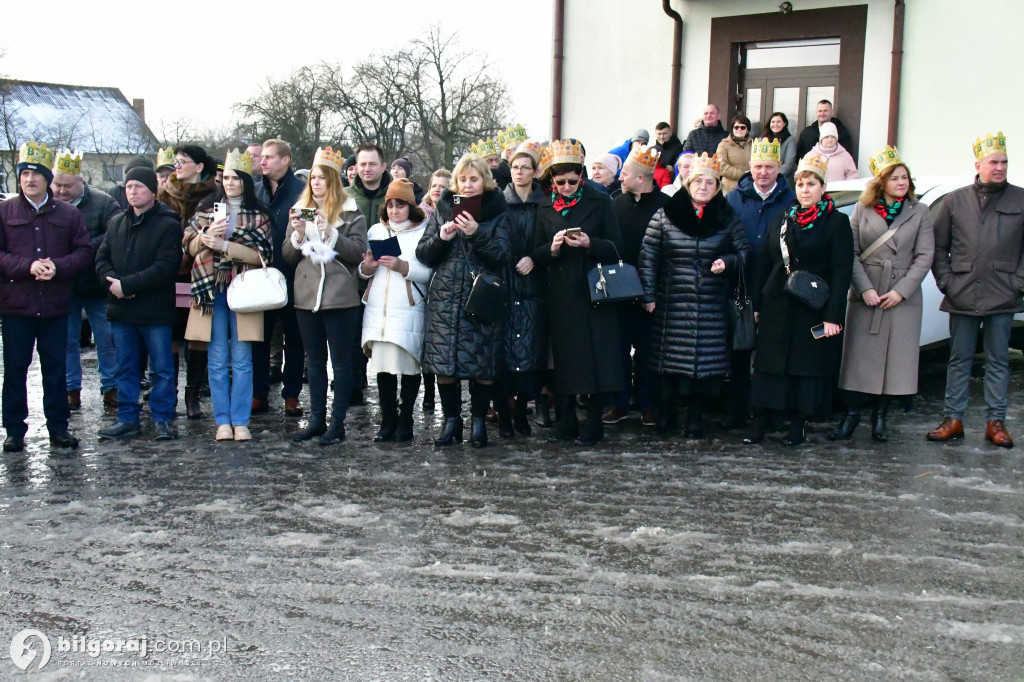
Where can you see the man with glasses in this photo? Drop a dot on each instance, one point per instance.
(707, 136)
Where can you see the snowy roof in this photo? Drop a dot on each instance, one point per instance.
(91, 119)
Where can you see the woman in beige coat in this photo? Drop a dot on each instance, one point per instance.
(893, 247)
(231, 244)
(326, 251)
(734, 153)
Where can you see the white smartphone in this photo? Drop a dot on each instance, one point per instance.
(220, 210)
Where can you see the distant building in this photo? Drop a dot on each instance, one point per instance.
(98, 121)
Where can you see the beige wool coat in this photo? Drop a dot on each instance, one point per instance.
(735, 159)
(199, 326)
(881, 347)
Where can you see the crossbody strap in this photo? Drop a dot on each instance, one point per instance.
(784, 247)
(877, 244)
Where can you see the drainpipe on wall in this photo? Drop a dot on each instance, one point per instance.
(557, 59)
(677, 62)
(897, 70)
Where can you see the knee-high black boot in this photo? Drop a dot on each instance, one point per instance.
(194, 373)
(568, 426)
(410, 387)
(387, 389)
(666, 419)
(502, 401)
(879, 419)
(480, 400)
(451, 404)
(695, 417)
(797, 432)
(428, 392)
(592, 431)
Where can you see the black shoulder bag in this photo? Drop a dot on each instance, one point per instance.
(741, 316)
(614, 283)
(489, 295)
(804, 286)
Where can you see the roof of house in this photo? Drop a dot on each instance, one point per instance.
(91, 119)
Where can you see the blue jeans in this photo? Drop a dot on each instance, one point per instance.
(96, 309)
(46, 336)
(231, 390)
(128, 341)
(963, 339)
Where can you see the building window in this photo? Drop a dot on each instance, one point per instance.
(114, 173)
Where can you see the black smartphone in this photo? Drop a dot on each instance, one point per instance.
(569, 232)
(471, 205)
(818, 331)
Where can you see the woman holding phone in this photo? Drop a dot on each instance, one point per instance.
(326, 252)
(576, 230)
(799, 347)
(460, 245)
(237, 239)
(395, 303)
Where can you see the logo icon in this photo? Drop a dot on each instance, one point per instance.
(23, 652)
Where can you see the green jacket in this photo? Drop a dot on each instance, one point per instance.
(369, 207)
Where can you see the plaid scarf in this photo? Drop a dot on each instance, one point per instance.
(806, 217)
(889, 211)
(212, 270)
(562, 203)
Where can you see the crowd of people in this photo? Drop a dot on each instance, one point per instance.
(487, 276)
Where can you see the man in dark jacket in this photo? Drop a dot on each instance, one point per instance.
(810, 135)
(668, 143)
(979, 267)
(761, 194)
(43, 245)
(117, 191)
(87, 294)
(634, 208)
(138, 261)
(279, 190)
(706, 136)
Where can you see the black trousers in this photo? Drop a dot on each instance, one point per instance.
(294, 354)
(334, 330)
(50, 338)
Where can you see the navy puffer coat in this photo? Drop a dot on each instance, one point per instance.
(455, 344)
(690, 334)
(526, 339)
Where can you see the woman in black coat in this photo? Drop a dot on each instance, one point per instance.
(585, 340)
(793, 371)
(526, 339)
(456, 345)
(692, 248)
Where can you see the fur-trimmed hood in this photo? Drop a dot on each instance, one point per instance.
(717, 215)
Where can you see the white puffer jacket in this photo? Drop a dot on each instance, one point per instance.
(395, 304)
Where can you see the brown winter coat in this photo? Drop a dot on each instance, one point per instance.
(735, 158)
(881, 347)
(979, 259)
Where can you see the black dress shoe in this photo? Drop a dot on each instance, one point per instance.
(478, 436)
(119, 429)
(451, 432)
(334, 434)
(316, 426)
(63, 439)
(14, 443)
(587, 441)
(164, 431)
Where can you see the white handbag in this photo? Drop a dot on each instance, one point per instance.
(258, 289)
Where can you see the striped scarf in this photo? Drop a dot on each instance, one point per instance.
(212, 269)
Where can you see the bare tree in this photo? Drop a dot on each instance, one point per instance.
(110, 142)
(177, 131)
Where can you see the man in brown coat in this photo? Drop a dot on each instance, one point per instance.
(979, 266)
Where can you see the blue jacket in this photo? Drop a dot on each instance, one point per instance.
(622, 151)
(755, 214)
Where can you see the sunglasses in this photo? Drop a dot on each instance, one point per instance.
(737, 127)
(566, 181)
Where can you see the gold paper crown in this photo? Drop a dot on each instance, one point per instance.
(990, 145)
(544, 160)
(566, 151)
(883, 159)
(165, 157)
(814, 163)
(485, 148)
(531, 149)
(706, 165)
(239, 161)
(68, 162)
(36, 153)
(644, 158)
(511, 137)
(325, 156)
(764, 149)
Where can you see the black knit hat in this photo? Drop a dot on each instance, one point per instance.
(147, 176)
(138, 162)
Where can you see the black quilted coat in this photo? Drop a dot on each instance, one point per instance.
(455, 344)
(526, 339)
(690, 334)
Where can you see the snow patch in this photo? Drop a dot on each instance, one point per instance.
(462, 519)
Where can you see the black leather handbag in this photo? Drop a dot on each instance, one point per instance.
(741, 316)
(804, 286)
(488, 299)
(614, 283)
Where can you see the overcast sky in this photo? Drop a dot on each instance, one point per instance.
(201, 63)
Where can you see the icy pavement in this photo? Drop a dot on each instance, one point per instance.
(636, 560)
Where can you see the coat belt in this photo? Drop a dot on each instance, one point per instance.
(883, 289)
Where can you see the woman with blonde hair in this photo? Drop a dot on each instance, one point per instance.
(326, 250)
(439, 182)
(893, 246)
(460, 245)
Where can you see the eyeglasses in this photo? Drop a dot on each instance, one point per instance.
(739, 127)
(567, 181)
(178, 163)
(521, 169)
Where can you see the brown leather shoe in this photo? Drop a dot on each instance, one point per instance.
(75, 399)
(110, 398)
(259, 406)
(648, 416)
(292, 407)
(614, 415)
(996, 434)
(949, 429)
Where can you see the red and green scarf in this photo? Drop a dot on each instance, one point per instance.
(562, 203)
(807, 217)
(889, 211)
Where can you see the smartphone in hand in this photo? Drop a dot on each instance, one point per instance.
(220, 210)
(818, 331)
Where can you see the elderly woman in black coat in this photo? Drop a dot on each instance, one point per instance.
(457, 345)
(691, 249)
(799, 347)
(576, 229)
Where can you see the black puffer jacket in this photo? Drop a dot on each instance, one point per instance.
(97, 209)
(526, 340)
(690, 335)
(455, 344)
